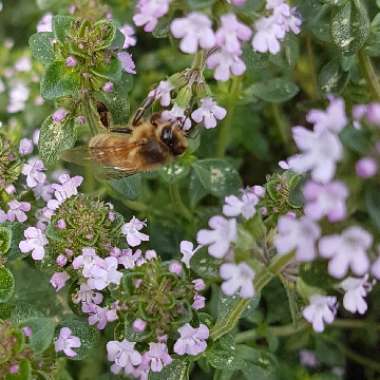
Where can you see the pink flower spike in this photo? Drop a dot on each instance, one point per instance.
(66, 342)
(127, 62)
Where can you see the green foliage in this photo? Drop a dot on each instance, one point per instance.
(42, 333)
(41, 47)
(5, 240)
(7, 284)
(177, 370)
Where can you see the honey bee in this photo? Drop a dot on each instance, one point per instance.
(143, 146)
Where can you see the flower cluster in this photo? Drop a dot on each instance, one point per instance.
(225, 44)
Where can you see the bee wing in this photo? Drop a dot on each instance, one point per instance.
(84, 156)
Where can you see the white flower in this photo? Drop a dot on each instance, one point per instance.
(162, 92)
(220, 237)
(355, 291)
(124, 356)
(35, 242)
(321, 150)
(322, 309)
(132, 232)
(208, 113)
(188, 251)
(347, 250)
(299, 235)
(246, 205)
(238, 277)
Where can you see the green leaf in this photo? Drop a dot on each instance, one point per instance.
(117, 101)
(62, 25)
(47, 4)
(372, 202)
(276, 90)
(199, 4)
(359, 140)
(5, 310)
(17, 230)
(177, 370)
(41, 47)
(196, 190)
(315, 274)
(205, 266)
(5, 240)
(55, 138)
(162, 28)
(332, 79)
(130, 187)
(174, 172)
(217, 176)
(59, 81)
(225, 359)
(87, 334)
(7, 284)
(24, 373)
(111, 71)
(253, 371)
(350, 26)
(23, 312)
(118, 41)
(42, 333)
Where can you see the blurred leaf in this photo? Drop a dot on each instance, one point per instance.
(130, 187)
(42, 333)
(7, 284)
(61, 26)
(359, 140)
(162, 28)
(23, 312)
(196, 190)
(174, 172)
(274, 90)
(199, 4)
(119, 40)
(41, 47)
(5, 240)
(58, 81)
(225, 359)
(47, 4)
(205, 266)
(217, 176)
(87, 334)
(372, 202)
(111, 71)
(332, 79)
(55, 138)
(350, 26)
(17, 235)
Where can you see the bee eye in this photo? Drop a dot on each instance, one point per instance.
(167, 135)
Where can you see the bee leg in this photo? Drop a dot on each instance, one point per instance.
(136, 119)
(121, 130)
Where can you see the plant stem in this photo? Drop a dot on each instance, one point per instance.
(224, 132)
(178, 202)
(369, 73)
(314, 93)
(282, 125)
(89, 114)
(198, 61)
(225, 325)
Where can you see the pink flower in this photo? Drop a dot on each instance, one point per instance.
(355, 291)
(375, 269)
(33, 170)
(124, 356)
(148, 13)
(195, 30)
(199, 284)
(192, 340)
(3, 216)
(35, 242)
(17, 211)
(268, 35)
(321, 310)
(223, 232)
(157, 357)
(333, 119)
(225, 64)
(59, 115)
(131, 230)
(127, 62)
(46, 23)
(347, 250)
(86, 295)
(231, 33)
(108, 87)
(373, 113)
(175, 267)
(366, 167)
(129, 35)
(139, 325)
(245, 206)
(71, 61)
(299, 235)
(85, 261)
(199, 302)
(99, 316)
(43, 191)
(162, 92)
(58, 280)
(325, 200)
(188, 251)
(177, 114)
(26, 147)
(320, 152)
(103, 273)
(66, 342)
(67, 187)
(237, 278)
(208, 113)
